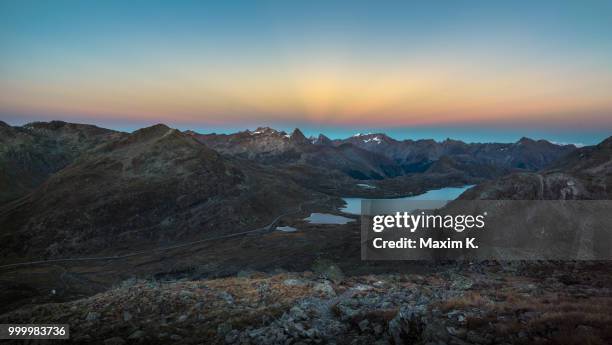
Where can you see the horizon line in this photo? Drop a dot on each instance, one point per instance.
(247, 128)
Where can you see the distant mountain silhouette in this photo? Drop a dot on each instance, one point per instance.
(387, 157)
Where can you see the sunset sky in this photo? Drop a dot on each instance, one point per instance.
(473, 70)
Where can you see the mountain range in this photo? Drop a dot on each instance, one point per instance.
(377, 156)
(151, 186)
(583, 174)
(201, 206)
(73, 189)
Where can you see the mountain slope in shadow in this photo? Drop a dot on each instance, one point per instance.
(498, 158)
(153, 186)
(585, 174)
(268, 146)
(31, 153)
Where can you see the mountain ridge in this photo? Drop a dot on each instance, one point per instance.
(159, 184)
(151, 186)
(31, 153)
(585, 173)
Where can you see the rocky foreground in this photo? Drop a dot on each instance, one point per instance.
(514, 303)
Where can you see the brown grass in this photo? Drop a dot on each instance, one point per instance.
(468, 300)
(563, 319)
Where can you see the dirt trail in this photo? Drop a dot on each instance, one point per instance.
(268, 228)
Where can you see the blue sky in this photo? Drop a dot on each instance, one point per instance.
(473, 70)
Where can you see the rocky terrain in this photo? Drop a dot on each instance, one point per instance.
(395, 168)
(31, 153)
(89, 190)
(486, 303)
(152, 186)
(478, 159)
(177, 232)
(377, 156)
(583, 174)
(557, 213)
(269, 146)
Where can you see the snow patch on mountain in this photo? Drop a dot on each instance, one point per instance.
(578, 145)
(377, 140)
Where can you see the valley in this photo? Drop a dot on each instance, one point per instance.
(165, 208)
(305, 172)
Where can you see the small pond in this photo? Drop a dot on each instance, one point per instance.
(326, 218)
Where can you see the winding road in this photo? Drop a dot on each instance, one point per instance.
(266, 229)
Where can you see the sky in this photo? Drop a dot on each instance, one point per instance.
(470, 70)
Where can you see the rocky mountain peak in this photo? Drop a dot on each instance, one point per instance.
(155, 130)
(607, 143)
(152, 133)
(298, 137)
(265, 130)
(525, 141)
(61, 128)
(322, 140)
(370, 138)
(51, 125)
(192, 133)
(452, 141)
(6, 131)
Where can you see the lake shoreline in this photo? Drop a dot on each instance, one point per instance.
(353, 204)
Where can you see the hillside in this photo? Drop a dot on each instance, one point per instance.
(585, 173)
(493, 158)
(156, 185)
(31, 153)
(524, 304)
